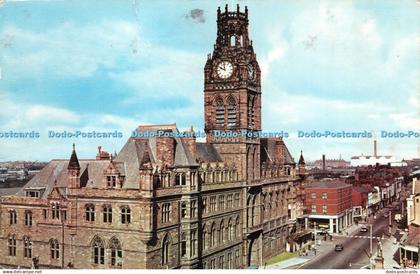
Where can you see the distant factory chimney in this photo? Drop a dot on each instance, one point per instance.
(375, 149)
(323, 162)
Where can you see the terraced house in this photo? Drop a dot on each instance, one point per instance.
(169, 202)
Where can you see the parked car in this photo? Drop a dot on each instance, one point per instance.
(339, 247)
(364, 229)
(386, 215)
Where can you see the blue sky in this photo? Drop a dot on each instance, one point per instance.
(112, 65)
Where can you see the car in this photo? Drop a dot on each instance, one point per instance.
(386, 215)
(339, 247)
(364, 229)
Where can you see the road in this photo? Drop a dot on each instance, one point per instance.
(356, 250)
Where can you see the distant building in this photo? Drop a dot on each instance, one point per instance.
(409, 249)
(329, 204)
(371, 160)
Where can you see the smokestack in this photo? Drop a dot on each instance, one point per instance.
(375, 149)
(323, 162)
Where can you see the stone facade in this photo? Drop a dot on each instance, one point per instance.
(168, 201)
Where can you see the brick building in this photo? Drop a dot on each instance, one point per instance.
(168, 201)
(329, 204)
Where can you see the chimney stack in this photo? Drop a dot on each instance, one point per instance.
(375, 149)
(323, 162)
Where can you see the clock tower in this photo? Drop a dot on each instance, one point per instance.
(232, 94)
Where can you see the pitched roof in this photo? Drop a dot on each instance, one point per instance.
(207, 153)
(301, 159)
(74, 162)
(327, 184)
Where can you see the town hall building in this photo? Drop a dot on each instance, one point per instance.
(169, 202)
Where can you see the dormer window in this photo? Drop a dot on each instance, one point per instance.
(32, 194)
(111, 181)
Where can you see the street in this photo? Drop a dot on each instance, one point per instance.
(356, 248)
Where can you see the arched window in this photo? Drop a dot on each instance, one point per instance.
(90, 212)
(27, 247)
(232, 41)
(231, 112)
(205, 237)
(236, 228)
(28, 218)
(230, 230)
(221, 233)
(213, 235)
(12, 217)
(220, 112)
(116, 252)
(98, 251)
(165, 250)
(12, 245)
(54, 249)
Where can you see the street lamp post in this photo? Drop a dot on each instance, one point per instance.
(371, 235)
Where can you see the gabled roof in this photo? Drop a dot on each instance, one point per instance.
(207, 153)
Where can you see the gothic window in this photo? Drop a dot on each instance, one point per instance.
(220, 113)
(231, 112)
(229, 260)
(125, 215)
(205, 240)
(55, 210)
(111, 181)
(107, 213)
(28, 218)
(183, 245)
(193, 243)
(213, 236)
(98, 251)
(212, 203)
(232, 40)
(183, 209)
(12, 246)
(27, 247)
(193, 208)
(222, 233)
(54, 249)
(12, 217)
(165, 250)
(90, 213)
(251, 112)
(221, 261)
(236, 199)
(230, 231)
(180, 179)
(236, 228)
(221, 202)
(166, 212)
(116, 253)
(229, 201)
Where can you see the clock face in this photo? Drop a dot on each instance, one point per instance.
(251, 72)
(224, 69)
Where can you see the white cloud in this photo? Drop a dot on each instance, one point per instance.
(69, 49)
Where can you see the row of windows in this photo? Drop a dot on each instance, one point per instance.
(90, 214)
(167, 246)
(27, 247)
(218, 235)
(224, 262)
(324, 195)
(218, 203)
(324, 209)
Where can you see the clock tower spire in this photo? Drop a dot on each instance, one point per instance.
(232, 94)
